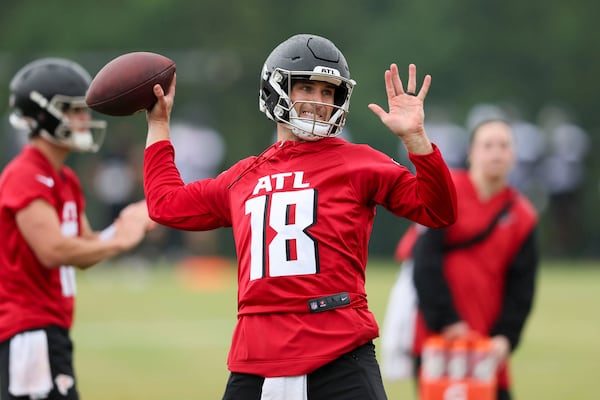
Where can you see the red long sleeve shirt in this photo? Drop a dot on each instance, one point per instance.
(302, 214)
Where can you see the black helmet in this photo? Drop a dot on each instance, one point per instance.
(307, 57)
(41, 91)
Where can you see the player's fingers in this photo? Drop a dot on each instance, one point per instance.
(158, 91)
(412, 79)
(425, 88)
(396, 81)
(389, 84)
(380, 112)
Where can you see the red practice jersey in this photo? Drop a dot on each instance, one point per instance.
(32, 295)
(302, 214)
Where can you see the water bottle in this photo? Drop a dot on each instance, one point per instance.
(434, 358)
(458, 359)
(483, 363)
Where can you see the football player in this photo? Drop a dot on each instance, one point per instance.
(44, 232)
(302, 213)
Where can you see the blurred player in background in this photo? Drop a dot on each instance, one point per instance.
(479, 274)
(302, 213)
(44, 232)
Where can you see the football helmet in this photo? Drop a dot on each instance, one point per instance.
(42, 91)
(305, 57)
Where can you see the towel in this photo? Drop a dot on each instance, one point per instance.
(29, 366)
(399, 327)
(285, 388)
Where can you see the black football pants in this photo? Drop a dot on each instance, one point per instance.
(353, 376)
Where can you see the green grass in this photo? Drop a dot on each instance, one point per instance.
(143, 333)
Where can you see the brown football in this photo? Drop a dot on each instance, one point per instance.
(124, 85)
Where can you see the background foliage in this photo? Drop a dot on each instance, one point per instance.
(529, 54)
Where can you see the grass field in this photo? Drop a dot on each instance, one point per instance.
(153, 333)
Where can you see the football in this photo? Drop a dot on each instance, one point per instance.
(124, 85)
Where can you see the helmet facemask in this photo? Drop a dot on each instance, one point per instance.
(46, 97)
(311, 129)
(54, 125)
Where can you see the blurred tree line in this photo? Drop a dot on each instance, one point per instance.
(529, 54)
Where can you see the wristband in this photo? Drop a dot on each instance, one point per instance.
(107, 233)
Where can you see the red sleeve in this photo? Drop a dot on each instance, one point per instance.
(434, 189)
(427, 197)
(201, 205)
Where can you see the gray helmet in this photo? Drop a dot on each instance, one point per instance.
(41, 91)
(305, 57)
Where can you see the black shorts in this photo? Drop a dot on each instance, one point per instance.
(353, 376)
(60, 358)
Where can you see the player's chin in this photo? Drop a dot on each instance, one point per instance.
(497, 170)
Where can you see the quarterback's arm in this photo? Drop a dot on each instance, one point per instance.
(519, 293)
(41, 228)
(133, 212)
(86, 229)
(200, 205)
(433, 201)
(88, 233)
(435, 188)
(429, 198)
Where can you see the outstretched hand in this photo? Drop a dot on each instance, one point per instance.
(406, 116)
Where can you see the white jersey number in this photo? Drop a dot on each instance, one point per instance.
(292, 251)
(69, 227)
